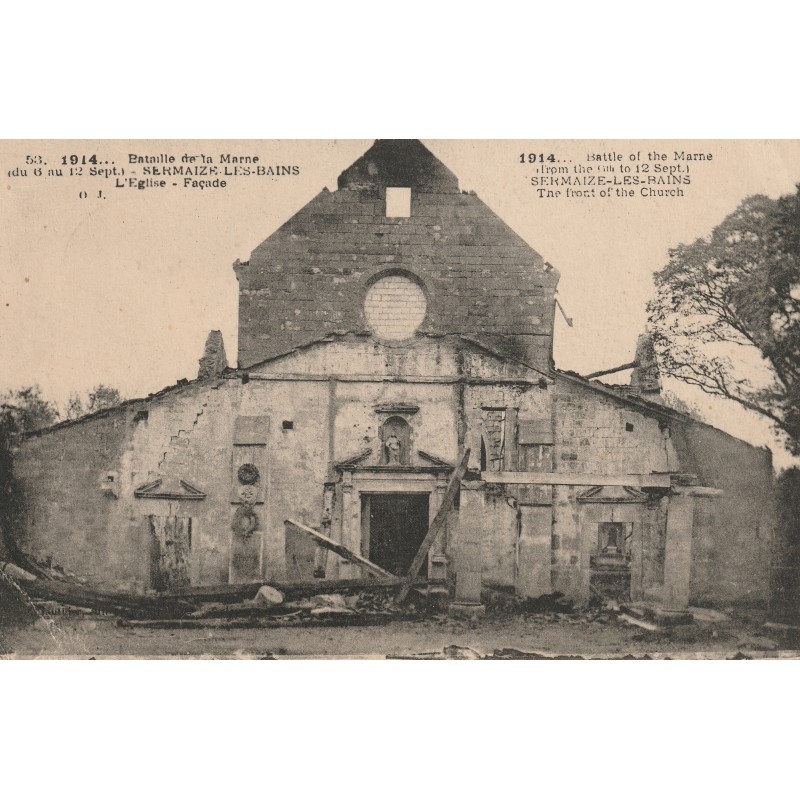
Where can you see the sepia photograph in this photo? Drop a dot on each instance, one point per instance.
(400, 399)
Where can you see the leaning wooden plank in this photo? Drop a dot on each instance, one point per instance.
(648, 626)
(340, 549)
(16, 573)
(435, 527)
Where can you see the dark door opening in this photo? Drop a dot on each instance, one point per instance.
(395, 526)
(170, 552)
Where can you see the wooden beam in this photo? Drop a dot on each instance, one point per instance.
(231, 592)
(118, 603)
(435, 527)
(16, 573)
(660, 481)
(632, 365)
(177, 603)
(698, 491)
(340, 549)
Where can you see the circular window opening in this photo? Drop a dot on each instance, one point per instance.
(395, 307)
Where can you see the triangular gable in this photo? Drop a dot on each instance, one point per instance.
(399, 162)
(355, 460)
(612, 494)
(435, 460)
(308, 275)
(169, 489)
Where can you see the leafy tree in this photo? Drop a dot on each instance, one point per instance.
(28, 410)
(74, 408)
(8, 493)
(11, 419)
(98, 399)
(21, 411)
(102, 397)
(726, 314)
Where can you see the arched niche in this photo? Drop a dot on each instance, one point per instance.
(396, 442)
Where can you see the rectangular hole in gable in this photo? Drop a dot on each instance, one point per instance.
(288, 425)
(398, 202)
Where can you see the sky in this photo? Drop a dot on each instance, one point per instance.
(122, 289)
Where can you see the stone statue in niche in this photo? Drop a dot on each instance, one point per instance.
(396, 436)
(394, 450)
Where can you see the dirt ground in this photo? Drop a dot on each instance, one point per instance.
(549, 635)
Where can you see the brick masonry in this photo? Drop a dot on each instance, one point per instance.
(395, 307)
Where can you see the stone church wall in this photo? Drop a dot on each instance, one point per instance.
(311, 276)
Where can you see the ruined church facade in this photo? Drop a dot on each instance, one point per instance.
(388, 331)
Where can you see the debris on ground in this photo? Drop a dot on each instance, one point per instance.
(333, 604)
(555, 602)
(267, 597)
(50, 569)
(369, 624)
(511, 654)
(461, 653)
(501, 601)
(377, 601)
(707, 615)
(270, 608)
(641, 623)
(51, 608)
(656, 616)
(758, 643)
(328, 601)
(15, 573)
(354, 604)
(452, 652)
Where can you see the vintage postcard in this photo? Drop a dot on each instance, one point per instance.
(413, 399)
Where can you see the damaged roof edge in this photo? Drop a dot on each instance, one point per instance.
(234, 372)
(341, 335)
(182, 383)
(647, 406)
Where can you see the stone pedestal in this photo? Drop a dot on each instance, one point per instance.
(535, 551)
(245, 565)
(469, 562)
(467, 609)
(678, 552)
